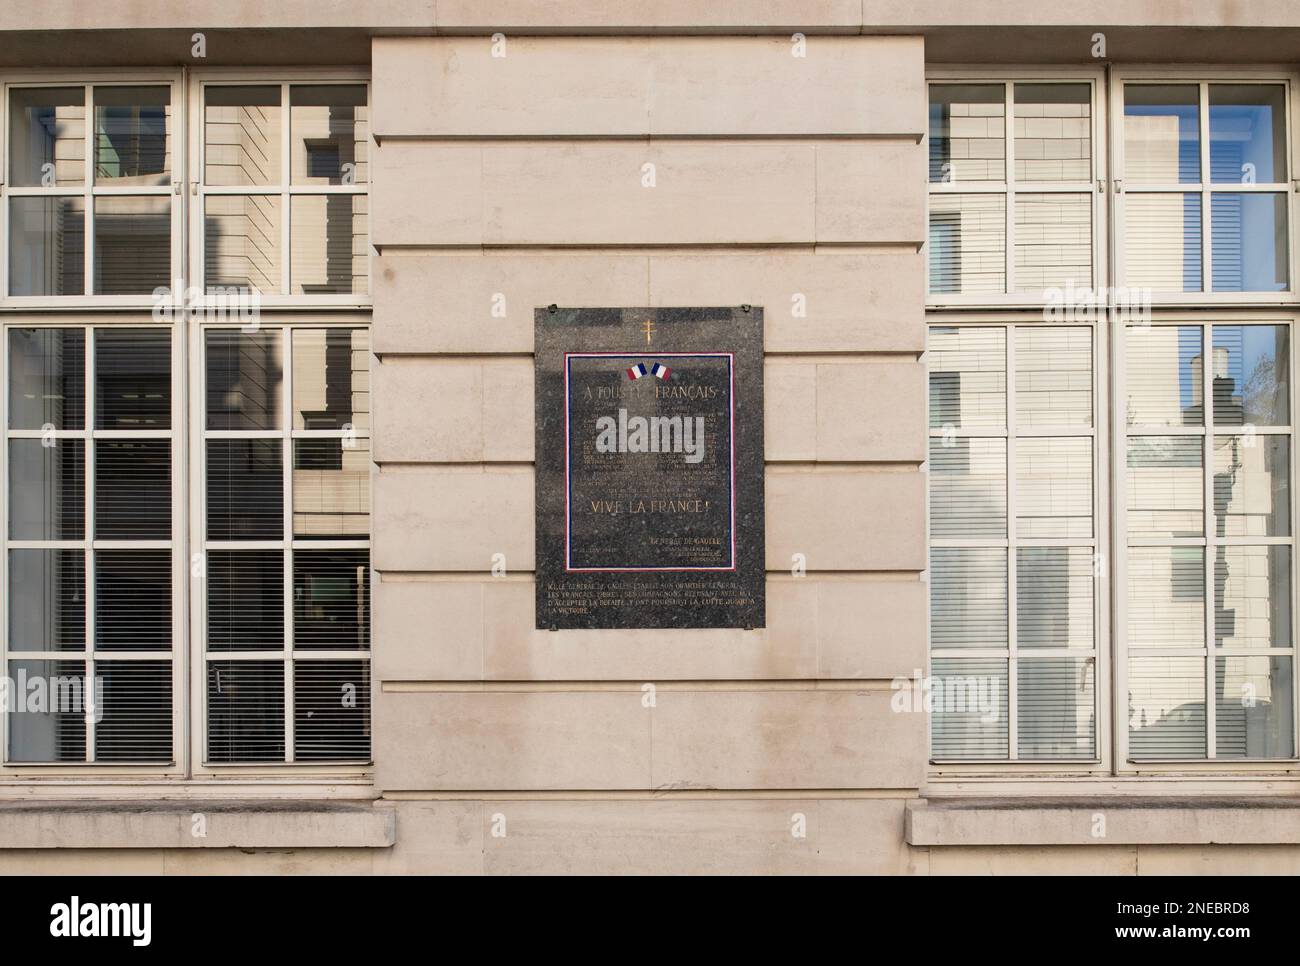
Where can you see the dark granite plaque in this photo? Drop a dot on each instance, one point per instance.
(649, 467)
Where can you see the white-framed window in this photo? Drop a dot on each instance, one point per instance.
(1203, 209)
(107, 174)
(1015, 165)
(1207, 596)
(91, 177)
(186, 493)
(282, 517)
(281, 193)
(1016, 588)
(93, 568)
(1194, 593)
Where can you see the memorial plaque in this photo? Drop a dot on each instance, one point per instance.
(649, 467)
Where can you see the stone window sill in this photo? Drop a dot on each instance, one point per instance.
(173, 825)
(1104, 821)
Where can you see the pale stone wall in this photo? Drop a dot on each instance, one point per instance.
(781, 182)
(645, 16)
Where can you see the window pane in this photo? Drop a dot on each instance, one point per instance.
(133, 489)
(1162, 136)
(245, 600)
(241, 135)
(331, 599)
(47, 246)
(133, 600)
(47, 136)
(331, 488)
(245, 711)
(132, 135)
(1053, 126)
(57, 733)
(1056, 708)
(243, 380)
(1252, 597)
(1166, 494)
(1162, 241)
(1251, 375)
(968, 487)
(133, 239)
(1166, 708)
(1164, 376)
(331, 379)
(1253, 707)
(1166, 597)
(133, 379)
(331, 710)
(1053, 377)
(968, 244)
(241, 242)
(968, 377)
(47, 376)
(1054, 597)
(1248, 133)
(330, 131)
(330, 245)
(245, 489)
(1053, 241)
(47, 489)
(968, 132)
(137, 711)
(1248, 238)
(1054, 487)
(969, 718)
(244, 376)
(968, 597)
(47, 600)
(1252, 492)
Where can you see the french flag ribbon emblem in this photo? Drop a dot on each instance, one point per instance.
(661, 371)
(636, 371)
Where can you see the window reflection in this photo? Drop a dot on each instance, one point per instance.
(968, 132)
(1166, 708)
(132, 135)
(244, 373)
(331, 379)
(1251, 375)
(330, 131)
(241, 135)
(1162, 136)
(47, 134)
(1247, 133)
(1248, 243)
(1253, 707)
(329, 251)
(47, 378)
(133, 244)
(1053, 131)
(47, 246)
(1252, 492)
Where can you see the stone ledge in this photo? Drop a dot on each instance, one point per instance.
(646, 16)
(171, 824)
(1127, 821)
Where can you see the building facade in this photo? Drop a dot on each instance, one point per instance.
(268, 276)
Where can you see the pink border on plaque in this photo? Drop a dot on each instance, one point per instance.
(731, 445)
